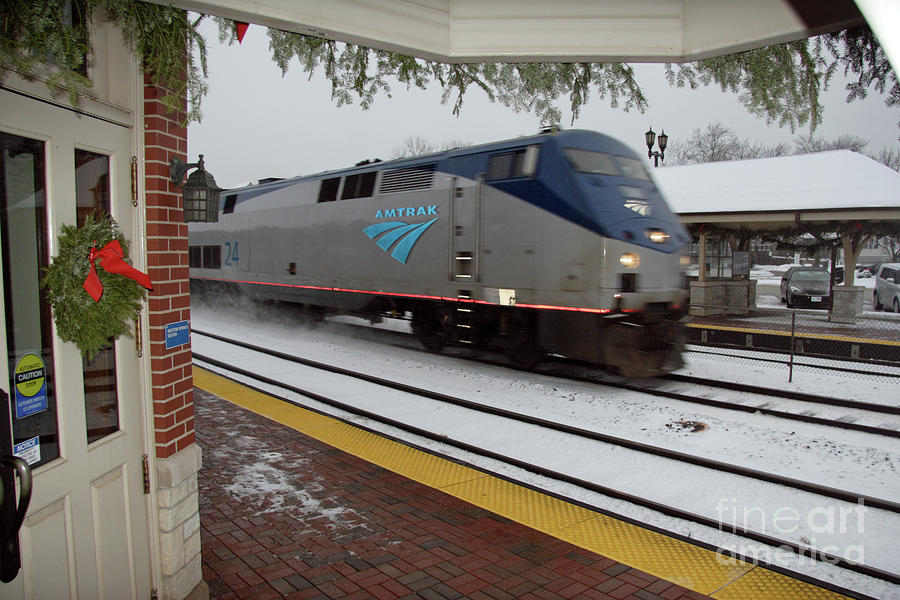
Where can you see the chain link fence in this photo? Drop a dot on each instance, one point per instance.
(867, 346)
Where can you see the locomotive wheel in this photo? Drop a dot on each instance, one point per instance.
(430, 326)
(525, 353)
(625, 351)
(520, 346)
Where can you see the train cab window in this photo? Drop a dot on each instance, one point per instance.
(230, 201)
(505, 166)
(509, 165)
(329, 189)
(588, 161)
(601, 163)
(360, 185)
(212, 257)
(632, 168)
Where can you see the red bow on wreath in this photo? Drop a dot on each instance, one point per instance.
(111, 256)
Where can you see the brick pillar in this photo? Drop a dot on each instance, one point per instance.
(177, 454)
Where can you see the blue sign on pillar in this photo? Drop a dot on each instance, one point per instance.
(177, 334)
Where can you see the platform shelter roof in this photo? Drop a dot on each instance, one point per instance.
(463, 31)
(779, 193)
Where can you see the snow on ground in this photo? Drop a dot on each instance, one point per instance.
(847, 460)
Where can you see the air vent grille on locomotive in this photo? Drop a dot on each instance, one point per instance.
(405, 180)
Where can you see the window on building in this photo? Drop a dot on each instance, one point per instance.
(29, 326)
(101, 396)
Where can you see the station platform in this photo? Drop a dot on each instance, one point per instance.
(295, 504)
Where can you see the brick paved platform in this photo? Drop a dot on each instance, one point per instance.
(286, 516)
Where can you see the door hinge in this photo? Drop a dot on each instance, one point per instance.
(145, 464)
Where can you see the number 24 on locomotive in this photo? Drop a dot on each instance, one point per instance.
(231, 254)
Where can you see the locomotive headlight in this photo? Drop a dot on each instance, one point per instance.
(657, 236)
(630, 260)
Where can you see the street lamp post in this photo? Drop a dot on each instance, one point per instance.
(650, 137)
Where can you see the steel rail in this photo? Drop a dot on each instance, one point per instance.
(787, 394)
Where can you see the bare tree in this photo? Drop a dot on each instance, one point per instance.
(419, 146)
(413, 146)
(715, 143)
(454, 144)
(807, 145)
(889, 157)
(892, 246)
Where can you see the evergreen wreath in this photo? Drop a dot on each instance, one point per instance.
(91, 325)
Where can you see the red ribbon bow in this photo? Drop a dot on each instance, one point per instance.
(111, 256)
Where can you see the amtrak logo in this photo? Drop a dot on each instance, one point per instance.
(397, 232)
(641, 207)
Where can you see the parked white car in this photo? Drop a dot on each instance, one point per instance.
(887, 287)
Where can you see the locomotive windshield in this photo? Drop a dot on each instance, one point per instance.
(601, 163)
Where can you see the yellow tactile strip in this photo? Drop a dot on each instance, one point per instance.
(685, 564)
(764, 584)
(812, 336)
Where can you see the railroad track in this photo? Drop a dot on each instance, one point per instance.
(479, 409)
(852, 414)
(847, 414)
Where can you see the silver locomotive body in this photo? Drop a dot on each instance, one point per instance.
(553, 244)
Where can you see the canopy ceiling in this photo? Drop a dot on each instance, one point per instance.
(558, 30)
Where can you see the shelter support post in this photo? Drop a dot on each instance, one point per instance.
(701, 259)
(846, 303)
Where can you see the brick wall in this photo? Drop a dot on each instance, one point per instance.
(167, 263)
(178, 457)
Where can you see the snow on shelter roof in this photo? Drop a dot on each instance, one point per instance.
(836, 180)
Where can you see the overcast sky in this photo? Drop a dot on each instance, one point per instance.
(257, 124)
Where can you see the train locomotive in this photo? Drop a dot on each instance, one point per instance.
(552, 244)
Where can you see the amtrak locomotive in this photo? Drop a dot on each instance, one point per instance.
(558, 243)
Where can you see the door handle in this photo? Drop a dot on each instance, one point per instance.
(9, 537)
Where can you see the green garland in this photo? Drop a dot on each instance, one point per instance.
(50, 40)
(90, 325)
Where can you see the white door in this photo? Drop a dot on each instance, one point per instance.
(78, 423)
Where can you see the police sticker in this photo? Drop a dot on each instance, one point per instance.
(30, 379)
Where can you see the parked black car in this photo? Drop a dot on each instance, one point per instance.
(806, 286)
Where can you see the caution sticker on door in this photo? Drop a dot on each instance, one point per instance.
(31, 386)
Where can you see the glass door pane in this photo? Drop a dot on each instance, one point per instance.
(23, 237)
(101, 398)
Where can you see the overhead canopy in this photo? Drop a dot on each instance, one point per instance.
(779, 193)
(560, 30)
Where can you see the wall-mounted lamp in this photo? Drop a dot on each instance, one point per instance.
(650, 137)
(200, 192)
